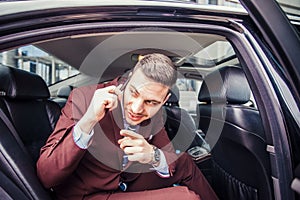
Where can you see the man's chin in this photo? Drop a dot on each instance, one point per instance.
(132, 122)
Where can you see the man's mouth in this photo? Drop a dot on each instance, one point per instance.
(135, 117)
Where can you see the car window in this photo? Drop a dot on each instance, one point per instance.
(292, 10)
(35, 60)
(188, 89)
(216, 51)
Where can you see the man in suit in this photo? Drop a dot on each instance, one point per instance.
(110, 143)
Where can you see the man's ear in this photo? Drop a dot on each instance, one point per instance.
(167, 97)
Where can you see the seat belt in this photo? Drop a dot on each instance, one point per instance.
(13, 131)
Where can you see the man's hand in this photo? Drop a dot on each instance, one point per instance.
(136, 147)
(104, 99)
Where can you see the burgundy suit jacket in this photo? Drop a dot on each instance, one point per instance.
(73, 172)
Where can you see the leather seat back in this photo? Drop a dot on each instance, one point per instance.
(9, 190)
(241, 163)
(24, 100)
(179, 125)
(26, 104)
(63, 95)
(17, 173)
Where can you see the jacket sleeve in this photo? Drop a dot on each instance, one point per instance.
(60, 156)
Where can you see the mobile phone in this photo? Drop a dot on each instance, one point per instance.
(122, 88)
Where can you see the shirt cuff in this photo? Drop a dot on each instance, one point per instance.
(82, 139)
(162, 169)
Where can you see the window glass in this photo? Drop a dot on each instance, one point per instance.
(292, 10)
(216, 51)
(35, 60)
(188, 89)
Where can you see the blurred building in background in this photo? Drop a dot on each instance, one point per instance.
(34, 60)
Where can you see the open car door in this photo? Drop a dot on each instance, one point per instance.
(278, 33)
(282, 40)
(296, 181)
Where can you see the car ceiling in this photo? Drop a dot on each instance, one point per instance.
(109, 54)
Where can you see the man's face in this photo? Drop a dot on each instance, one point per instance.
(143, 97)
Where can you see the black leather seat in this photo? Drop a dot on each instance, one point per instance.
(179, 125)
(24, 101)
(9, 190)
(184, 135)
(62, 95)
(241, 168)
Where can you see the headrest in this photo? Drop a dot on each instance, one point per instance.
(227, 84)
(20, 84)
(174, 98)
(64, 91)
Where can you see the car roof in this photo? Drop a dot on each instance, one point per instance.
(12, 7)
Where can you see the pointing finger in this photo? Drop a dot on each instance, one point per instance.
(131, 134)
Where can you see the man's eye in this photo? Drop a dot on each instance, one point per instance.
(152, 103)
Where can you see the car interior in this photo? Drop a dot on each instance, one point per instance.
(30, 118)
(241, 144)
(210, 115)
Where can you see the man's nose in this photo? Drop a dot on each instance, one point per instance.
(137, 105)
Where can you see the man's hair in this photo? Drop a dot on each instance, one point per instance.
(159, 68)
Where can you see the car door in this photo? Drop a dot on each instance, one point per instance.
(278, 33)
(284, 44)
(296, 181)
